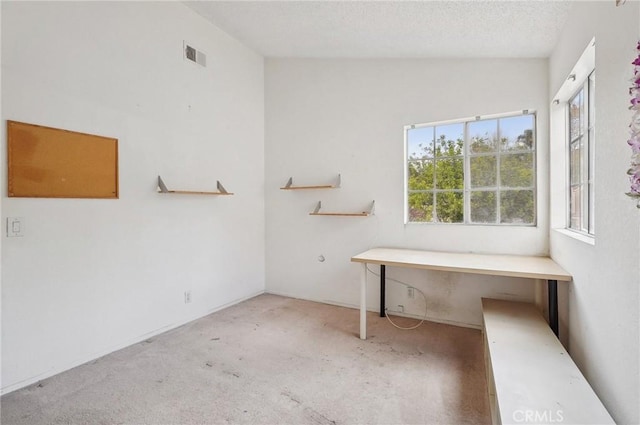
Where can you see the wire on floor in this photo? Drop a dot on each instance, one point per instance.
(408, 286)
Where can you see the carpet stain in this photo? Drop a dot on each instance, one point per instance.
(290, 397)
(317, 417)
(312, 415)
(229, 372)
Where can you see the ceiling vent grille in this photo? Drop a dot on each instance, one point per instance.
(194, 55)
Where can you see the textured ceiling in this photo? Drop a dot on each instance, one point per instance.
(391, 29)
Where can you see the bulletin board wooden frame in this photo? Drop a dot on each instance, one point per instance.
(46, 162)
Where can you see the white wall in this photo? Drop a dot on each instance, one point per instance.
(325, 117)
(91, 276)
(603, 298)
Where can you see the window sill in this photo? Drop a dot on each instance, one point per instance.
(431, 223)
(588, 239)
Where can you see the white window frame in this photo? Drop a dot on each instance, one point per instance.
(467, 155)
(576, 80)
(586, 139)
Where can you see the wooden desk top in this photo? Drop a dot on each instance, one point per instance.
(497, 265)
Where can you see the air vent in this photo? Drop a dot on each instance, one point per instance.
(194, 55)
(190, 53)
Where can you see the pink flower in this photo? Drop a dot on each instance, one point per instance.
(634, 177)
(635, 97)
(635, 124)
(635, 183)
(634, 142)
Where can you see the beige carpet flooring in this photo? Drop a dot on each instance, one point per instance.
(272, 360)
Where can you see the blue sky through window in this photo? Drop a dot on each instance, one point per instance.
(510, 127)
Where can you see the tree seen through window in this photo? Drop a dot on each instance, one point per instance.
(480, 171)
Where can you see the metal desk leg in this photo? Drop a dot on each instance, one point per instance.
(553, 305)
(363, 301)
(383, 291)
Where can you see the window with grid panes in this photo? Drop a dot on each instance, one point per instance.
(581, 131)
(479, 171)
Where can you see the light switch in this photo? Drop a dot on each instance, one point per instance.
(15, 227)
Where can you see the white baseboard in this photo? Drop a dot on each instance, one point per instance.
(70, 365)
(357, 307)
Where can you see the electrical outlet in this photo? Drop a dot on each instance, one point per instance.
(400, 308)
(411, 292)
(187, 297)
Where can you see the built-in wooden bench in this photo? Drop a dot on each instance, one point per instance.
(531, 377)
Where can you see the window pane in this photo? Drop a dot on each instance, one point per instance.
(516, 133)
(483, 207)
(449, 207)
(420, 142)
(592, 222)
(450, 140)
(591, 101)
(576, 112)
(592, 138)
(483, 136)
(421, 207)
(516, 170)
(483, 171)
(575, 213)
(420, 175)
(592, 167)
(450, 173)
(517, 206)
(574, 163)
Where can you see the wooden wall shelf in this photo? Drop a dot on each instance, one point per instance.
(162, 188)
(290, 186)
(317, 211)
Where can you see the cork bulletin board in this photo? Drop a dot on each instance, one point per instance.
(45, 162)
